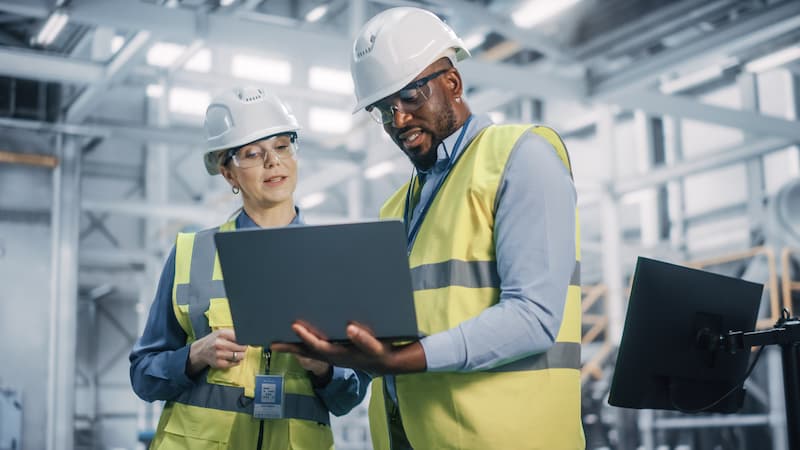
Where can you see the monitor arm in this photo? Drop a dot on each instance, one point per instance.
(786, 334)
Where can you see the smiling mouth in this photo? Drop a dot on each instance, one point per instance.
(275, 180)
(411, 139)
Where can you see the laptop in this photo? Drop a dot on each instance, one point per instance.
(323, 275)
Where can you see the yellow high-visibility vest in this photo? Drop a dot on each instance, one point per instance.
(217, 413)
(531, 403)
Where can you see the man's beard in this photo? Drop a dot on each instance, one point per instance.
(445, 125)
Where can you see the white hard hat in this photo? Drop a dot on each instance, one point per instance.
(242, 115)
(393, 48)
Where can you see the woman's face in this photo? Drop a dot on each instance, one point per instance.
(265, 171)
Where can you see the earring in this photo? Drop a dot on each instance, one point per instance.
(458, 99)
(235, 190)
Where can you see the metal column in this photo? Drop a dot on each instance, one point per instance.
(64, 296)
(646, 158)
(777, 417)
(756, 186)
(673, 152)
(612, 233)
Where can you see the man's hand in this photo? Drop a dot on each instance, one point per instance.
(367, 353)
(218, 350)
(315, 366)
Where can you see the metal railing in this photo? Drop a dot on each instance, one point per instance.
(789, 283)
(597, 331)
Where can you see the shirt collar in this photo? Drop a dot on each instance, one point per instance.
(244, 221)
(445, 149)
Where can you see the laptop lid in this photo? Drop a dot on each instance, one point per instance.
(323, 275)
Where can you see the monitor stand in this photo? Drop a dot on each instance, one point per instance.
(786, 334)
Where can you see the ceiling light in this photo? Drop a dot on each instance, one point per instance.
(163, 54)
(330, 80)
(534, 12)
(200, 61)
(328, 120)
(311, 200)
(474, 40)
(226, 2)
(154, 90)
(261, 69)
(51, 28)
(116, 43)
(497, 116)
(188, 101)
(774, 60)
(378, 170)
(316, 13)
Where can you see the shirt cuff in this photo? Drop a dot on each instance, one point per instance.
(337, 379)
(445, 351)
(176, 366)
(319, 382)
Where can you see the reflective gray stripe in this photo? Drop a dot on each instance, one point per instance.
(201, 288)
(230, 398)
(562, 355)
(473, 274)
(575, 279)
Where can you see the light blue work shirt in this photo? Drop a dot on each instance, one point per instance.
(159, 357)
(535, 246)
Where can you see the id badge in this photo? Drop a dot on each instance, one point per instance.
(269, 397)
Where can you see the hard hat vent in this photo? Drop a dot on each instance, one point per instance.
(366, 50)
(251, 95)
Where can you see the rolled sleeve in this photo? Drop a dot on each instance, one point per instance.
(346, 389)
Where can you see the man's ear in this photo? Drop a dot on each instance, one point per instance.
(453, 83)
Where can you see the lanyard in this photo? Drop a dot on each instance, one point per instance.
(408, 213)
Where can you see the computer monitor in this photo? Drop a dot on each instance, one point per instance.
(663, 362)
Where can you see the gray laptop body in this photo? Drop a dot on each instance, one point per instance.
(323, 275)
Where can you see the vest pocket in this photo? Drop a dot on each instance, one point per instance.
(196, 428)
(243, 374)
(304, 434)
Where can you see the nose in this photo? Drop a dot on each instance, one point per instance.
(399, 117)
(271, 161)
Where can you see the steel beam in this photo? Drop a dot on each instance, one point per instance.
(215, 81)
(721, 158)
(322, 47)
(198, 213)
(184, 25)
(523, 80)
(174, 135)
(528, 38)
(748, 121)
(726, 41)
(115, 70)
(37, 66)
(25, 8)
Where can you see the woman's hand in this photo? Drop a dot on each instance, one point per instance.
(218, 350)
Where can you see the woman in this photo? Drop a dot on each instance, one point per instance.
(188, 354)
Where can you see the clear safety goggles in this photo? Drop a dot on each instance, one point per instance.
(406, 100)
(257, 153)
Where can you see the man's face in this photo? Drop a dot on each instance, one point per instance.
(419, 132)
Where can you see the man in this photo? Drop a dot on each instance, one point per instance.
(492, 241)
